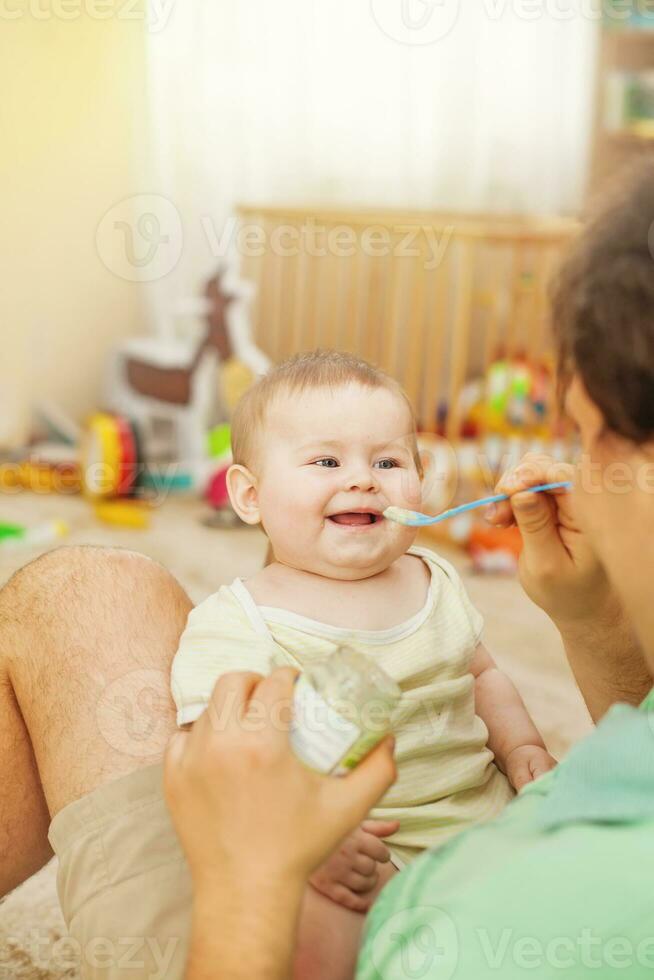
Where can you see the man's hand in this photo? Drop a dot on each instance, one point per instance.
(561, 573)
(235, 789)
(559, 570)
(351, 874)
(526, 763)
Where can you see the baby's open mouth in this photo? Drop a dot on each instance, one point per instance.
(355, 519)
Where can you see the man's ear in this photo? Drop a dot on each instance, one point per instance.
(583, 410)
(243, 493)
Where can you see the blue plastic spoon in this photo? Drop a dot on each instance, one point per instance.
(413, 518)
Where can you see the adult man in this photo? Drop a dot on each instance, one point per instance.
(560, 883)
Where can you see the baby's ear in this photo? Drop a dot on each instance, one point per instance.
(243, 493)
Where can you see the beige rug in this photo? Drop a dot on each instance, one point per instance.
(32, 933)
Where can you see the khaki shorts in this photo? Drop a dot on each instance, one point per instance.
(123, 882)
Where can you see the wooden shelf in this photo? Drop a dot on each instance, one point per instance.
(631, 34)
(627, 49)
(626, 136)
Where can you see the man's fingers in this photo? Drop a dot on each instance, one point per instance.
(371, 778)
(175, 747)
(174, 752)
(536, 516)
(172, 765)
(228, 703)
(277, 689)
(534, 470)
(500, 514)
(274, 696)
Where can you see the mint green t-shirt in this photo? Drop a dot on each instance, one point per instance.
(561, 885)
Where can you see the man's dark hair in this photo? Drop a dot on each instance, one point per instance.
(603, 308)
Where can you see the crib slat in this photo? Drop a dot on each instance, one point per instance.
(432, 386)
(383, 305)
(460, 337)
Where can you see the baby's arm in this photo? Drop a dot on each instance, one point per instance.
(512, 736)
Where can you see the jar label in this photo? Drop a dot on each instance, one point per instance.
(320, 736)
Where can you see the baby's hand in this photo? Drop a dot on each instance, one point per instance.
(350, 875)
(526, 763)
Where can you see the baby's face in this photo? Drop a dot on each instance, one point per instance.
(331, 461)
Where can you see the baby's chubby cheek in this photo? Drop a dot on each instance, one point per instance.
(408, 492)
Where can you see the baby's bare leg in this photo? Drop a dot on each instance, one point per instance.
(87, 636)
(329, 935)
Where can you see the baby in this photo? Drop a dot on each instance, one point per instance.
(322, 445)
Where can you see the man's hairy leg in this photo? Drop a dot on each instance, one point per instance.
(87, 636)
(24, 817)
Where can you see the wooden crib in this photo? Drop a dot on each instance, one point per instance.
(431, 298)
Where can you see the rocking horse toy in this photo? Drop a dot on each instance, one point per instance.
(169, 389)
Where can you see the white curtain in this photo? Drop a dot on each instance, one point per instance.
(449, 104)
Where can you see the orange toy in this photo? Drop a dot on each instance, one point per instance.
(495, 549)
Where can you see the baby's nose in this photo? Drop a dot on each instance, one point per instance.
(362, 478)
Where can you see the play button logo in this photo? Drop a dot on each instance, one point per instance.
(416, 21)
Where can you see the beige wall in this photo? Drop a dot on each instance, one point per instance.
(73, 132)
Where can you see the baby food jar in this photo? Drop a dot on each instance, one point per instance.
(342, 707)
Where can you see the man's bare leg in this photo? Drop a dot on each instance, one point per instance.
(87, 636)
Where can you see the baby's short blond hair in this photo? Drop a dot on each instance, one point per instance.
(303, 372)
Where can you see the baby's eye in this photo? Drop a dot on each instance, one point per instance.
(327, 461)
(386, 464)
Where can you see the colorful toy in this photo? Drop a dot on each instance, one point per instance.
(110, 456)
(219, 442)
(217, 494)
(495, 549)
(513, 399)
(16, 536)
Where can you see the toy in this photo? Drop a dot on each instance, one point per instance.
(14, 536)
(219, 442)
(513, 399)
(110, 456)
(216, 493)
(169, 387)
(495, 549)
(123, 513)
